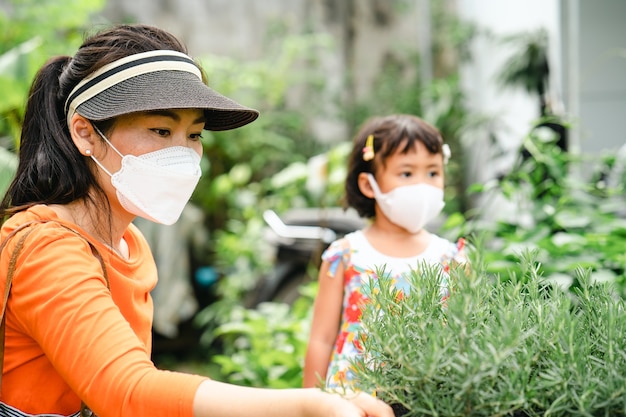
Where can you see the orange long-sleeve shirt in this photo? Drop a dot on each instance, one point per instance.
(69, 338)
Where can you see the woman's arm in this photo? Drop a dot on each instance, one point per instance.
(325, 324)
(217, 399)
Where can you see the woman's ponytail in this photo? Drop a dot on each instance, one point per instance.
(49, 170)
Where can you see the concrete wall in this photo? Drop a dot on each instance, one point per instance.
(587, 53)
(594, 51)
(587, 58)
(364, 33)
(513, 111)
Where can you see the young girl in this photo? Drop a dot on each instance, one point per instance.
(396, 178)
(110, 134)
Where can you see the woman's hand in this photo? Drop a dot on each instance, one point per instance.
(357, 405)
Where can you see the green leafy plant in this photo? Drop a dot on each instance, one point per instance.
(265, 347)
(570, 220)
(260, 166)
(8, 167)
(30, 32)
(528, 68)
(246, 157)
(241, 251)
(500, 346)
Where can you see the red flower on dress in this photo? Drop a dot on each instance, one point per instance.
(341, 339)
(353, 310)
(349, 274)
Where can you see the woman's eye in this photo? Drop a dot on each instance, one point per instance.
(195, 136)
(161, 132)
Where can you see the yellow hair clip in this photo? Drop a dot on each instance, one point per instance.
(368, 150)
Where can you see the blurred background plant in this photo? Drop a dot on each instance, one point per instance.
(31, 31)
(570, 220)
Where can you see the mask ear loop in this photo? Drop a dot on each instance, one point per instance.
(112, 147)
(374, 184)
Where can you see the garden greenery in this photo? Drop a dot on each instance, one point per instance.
(265, 347)
(30, 32)
(575, 237)
(563, 209)
(497, 347)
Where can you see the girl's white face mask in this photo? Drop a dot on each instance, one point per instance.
(409, 206)
(156, 185)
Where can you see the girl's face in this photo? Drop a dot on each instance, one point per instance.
(416, 166)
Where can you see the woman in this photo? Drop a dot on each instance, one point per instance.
(110, 134)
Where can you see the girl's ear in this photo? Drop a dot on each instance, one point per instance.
(83, 134)
(364, 185)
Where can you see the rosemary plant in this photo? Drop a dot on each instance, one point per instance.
(499, 346)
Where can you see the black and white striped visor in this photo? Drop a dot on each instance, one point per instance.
(155, 80)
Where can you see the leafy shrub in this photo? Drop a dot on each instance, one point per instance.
(265, 347)
(562, 209)
(30, 32)
(499, 347)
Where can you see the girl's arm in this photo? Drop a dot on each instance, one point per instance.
(325, 324)
(218, 399)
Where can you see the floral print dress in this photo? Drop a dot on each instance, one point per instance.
(360, 261)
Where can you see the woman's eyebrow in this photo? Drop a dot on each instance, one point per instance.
(173, 115)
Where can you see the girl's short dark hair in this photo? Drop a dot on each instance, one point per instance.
(390, 134)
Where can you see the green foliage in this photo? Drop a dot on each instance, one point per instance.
(30, 32)
(571, 221)
(241, 254)
(265, 347)
(498, 347)
(8, 166)
(528, 68)
(277, 139)
(262, 165)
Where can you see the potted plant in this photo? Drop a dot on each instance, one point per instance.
(516, 345)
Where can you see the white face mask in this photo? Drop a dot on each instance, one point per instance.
(409, 206)
(156, 185)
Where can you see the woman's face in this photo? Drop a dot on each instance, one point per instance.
(145, 132)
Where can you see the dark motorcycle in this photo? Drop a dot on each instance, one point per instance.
(299, 238)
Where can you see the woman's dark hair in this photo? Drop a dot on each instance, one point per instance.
(51, 169)
(391, 133)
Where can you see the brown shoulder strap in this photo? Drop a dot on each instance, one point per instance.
(7, 288)
(11, 270)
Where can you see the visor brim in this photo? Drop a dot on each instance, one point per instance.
(163, 90)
